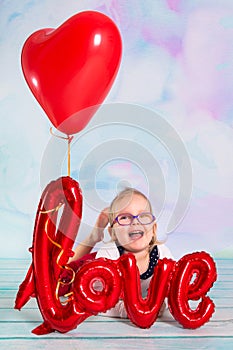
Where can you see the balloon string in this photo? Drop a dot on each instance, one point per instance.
(60, 282)
(64, 267)
(52, 210)
(69, 139)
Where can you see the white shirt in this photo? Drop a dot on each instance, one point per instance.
(109, 250)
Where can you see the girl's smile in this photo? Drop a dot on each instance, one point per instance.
(136, 234)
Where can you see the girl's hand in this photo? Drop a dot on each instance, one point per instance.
(97, 234)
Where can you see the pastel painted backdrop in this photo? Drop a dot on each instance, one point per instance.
(177, 62)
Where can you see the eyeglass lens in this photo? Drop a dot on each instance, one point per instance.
(143, 218)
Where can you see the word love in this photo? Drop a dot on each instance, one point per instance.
(98, 284)
(188, 279)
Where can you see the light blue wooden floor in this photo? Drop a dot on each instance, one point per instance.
(108, 333)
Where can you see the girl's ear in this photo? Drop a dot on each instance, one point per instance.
(155, 229)
(154, 237)
(112, 233)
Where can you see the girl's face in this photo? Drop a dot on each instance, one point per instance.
(135, 237)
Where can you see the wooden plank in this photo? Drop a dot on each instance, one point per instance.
(19, 268)
(13, 281)
(17, 277)
(175, 343)
(33, 314)
(119, 329)
(10, 302)
(213, 293)
(15, 264)
(7, 300)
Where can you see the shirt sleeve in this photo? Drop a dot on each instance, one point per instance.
(108, 250)
(164, 252)
(117, 311)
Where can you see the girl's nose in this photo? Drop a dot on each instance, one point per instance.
(135, 221)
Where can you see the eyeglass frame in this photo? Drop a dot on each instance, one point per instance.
(133, 217)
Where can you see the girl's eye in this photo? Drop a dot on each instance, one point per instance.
(125, 217)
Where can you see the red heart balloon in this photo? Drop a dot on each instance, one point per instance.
(73, 67)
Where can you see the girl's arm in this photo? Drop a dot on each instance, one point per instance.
(96, 235)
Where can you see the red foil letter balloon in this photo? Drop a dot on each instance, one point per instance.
(71, 69)
(193, 277)
(52, 247)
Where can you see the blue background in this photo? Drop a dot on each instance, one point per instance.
(177, 61)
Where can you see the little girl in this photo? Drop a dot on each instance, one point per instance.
(132, 228)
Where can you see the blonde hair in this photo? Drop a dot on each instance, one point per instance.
(129, 191)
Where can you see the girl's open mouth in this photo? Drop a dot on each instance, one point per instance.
(136, 234)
